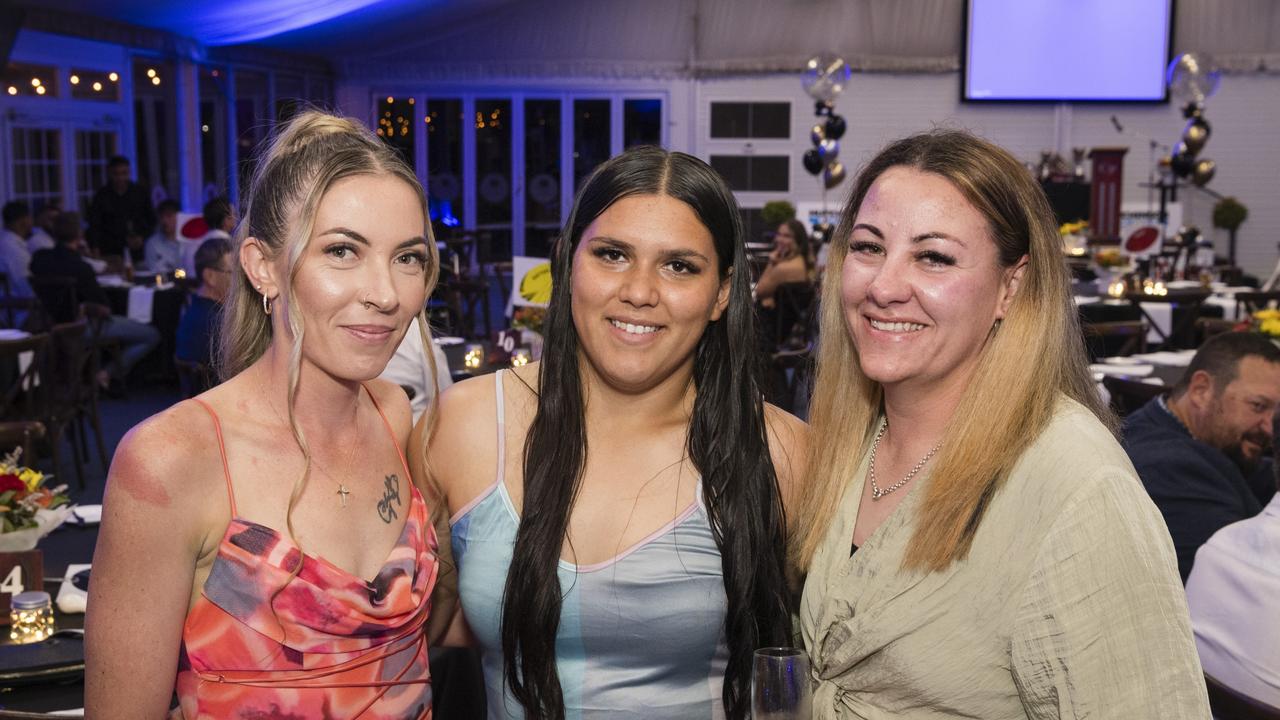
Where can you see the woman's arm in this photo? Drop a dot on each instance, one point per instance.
(153, 527)
(784, 271)
(788, 444)
(453, 460)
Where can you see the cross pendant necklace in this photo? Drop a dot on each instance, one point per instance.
(344, 492)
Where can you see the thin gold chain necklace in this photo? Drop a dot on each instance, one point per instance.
(876, 492)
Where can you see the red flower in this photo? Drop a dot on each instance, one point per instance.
(12, 482)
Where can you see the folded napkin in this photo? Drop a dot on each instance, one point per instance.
(86, 514)
(112, 280)
(141, 300)
(1171, 358)
(1122, 370)
(72, 599)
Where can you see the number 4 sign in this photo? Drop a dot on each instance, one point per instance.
(19, 572)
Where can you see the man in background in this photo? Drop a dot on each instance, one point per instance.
(198, 329)
(120, 215)
(42, 234)
(163, 252)
(15, 259)
(1234, 597)
(411, 370)
(64, 261)
(1196, 450)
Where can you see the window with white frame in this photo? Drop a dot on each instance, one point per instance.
(37, 166)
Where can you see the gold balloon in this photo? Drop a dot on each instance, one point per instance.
(1203, 172)
(833, 175)
(1195, 135)
(818, 133)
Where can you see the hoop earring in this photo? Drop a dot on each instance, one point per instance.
(266, 305)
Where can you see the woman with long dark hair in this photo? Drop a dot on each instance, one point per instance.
(620, 537)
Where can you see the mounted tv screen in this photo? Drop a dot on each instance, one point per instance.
(1067, 50)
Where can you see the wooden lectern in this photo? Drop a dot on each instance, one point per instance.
(1108, 188)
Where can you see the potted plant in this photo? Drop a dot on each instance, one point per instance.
(1229, 214)
(776, 212)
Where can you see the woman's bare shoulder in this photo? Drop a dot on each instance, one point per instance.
(170, 461)
(788, 445)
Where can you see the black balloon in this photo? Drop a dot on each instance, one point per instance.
(813, 161)
(823, 107)
(835, 127)
(1182, 162)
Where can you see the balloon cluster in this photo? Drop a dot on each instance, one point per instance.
(1192, 79)
(824, 78)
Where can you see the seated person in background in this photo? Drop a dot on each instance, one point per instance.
(1195, 450)
(1234, 597)
(410, 370)
(221, 218)
(197, 329)
(14, 258)
(42, 234)
(163, 254)
(136, 339)
(790, 262)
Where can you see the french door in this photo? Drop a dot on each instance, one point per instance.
(507, 164)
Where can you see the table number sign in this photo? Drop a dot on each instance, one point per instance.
(19, 572)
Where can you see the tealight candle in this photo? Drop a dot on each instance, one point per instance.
(30, 617)
(520, 357)
(179, 273)
(474, 357)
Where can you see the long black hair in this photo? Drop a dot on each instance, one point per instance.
(727, 443)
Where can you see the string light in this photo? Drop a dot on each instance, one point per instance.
(35, 82)
(13, 90)
(155, 81)
(113, 77)
(97, 86)
(151, 72)
(204, 128)
(40, 90)
(75, 79)
(390, 99)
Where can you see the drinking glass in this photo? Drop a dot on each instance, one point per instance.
(780, 685)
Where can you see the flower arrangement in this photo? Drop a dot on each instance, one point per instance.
(29, 508)
(530, 318)
(1267, 322)
(1110, 258)
(1073, 228)
(1075, 239)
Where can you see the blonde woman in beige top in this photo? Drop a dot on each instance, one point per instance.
(977, 543)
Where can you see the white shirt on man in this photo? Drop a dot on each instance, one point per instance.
(39, 240)
(1233, 593)
(15, 261)
(410, 370)
(163, 254)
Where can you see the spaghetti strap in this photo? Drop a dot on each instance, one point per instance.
(502, 425)
(222, 449)
(387, 424)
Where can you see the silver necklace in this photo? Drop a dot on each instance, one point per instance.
(876, 492)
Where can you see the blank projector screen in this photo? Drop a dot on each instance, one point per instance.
(1067, 50)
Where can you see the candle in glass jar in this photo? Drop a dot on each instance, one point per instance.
(30, 617)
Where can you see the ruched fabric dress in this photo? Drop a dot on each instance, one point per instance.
(323, 644)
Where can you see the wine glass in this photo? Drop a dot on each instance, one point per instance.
(780, 685)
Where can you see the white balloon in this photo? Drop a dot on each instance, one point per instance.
(825, 76)
(1192, 77)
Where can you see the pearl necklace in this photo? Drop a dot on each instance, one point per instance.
(876, 492)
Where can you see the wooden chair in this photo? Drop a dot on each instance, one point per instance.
(1119, 337)
(23, 401)
(1208, 327)
(789, 373)
(1227, 704)
(1248, 303)
(73, 395)
(59, 298)
(1129, 395)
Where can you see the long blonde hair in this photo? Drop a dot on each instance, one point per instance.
(302, 160)
(1026, 365)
